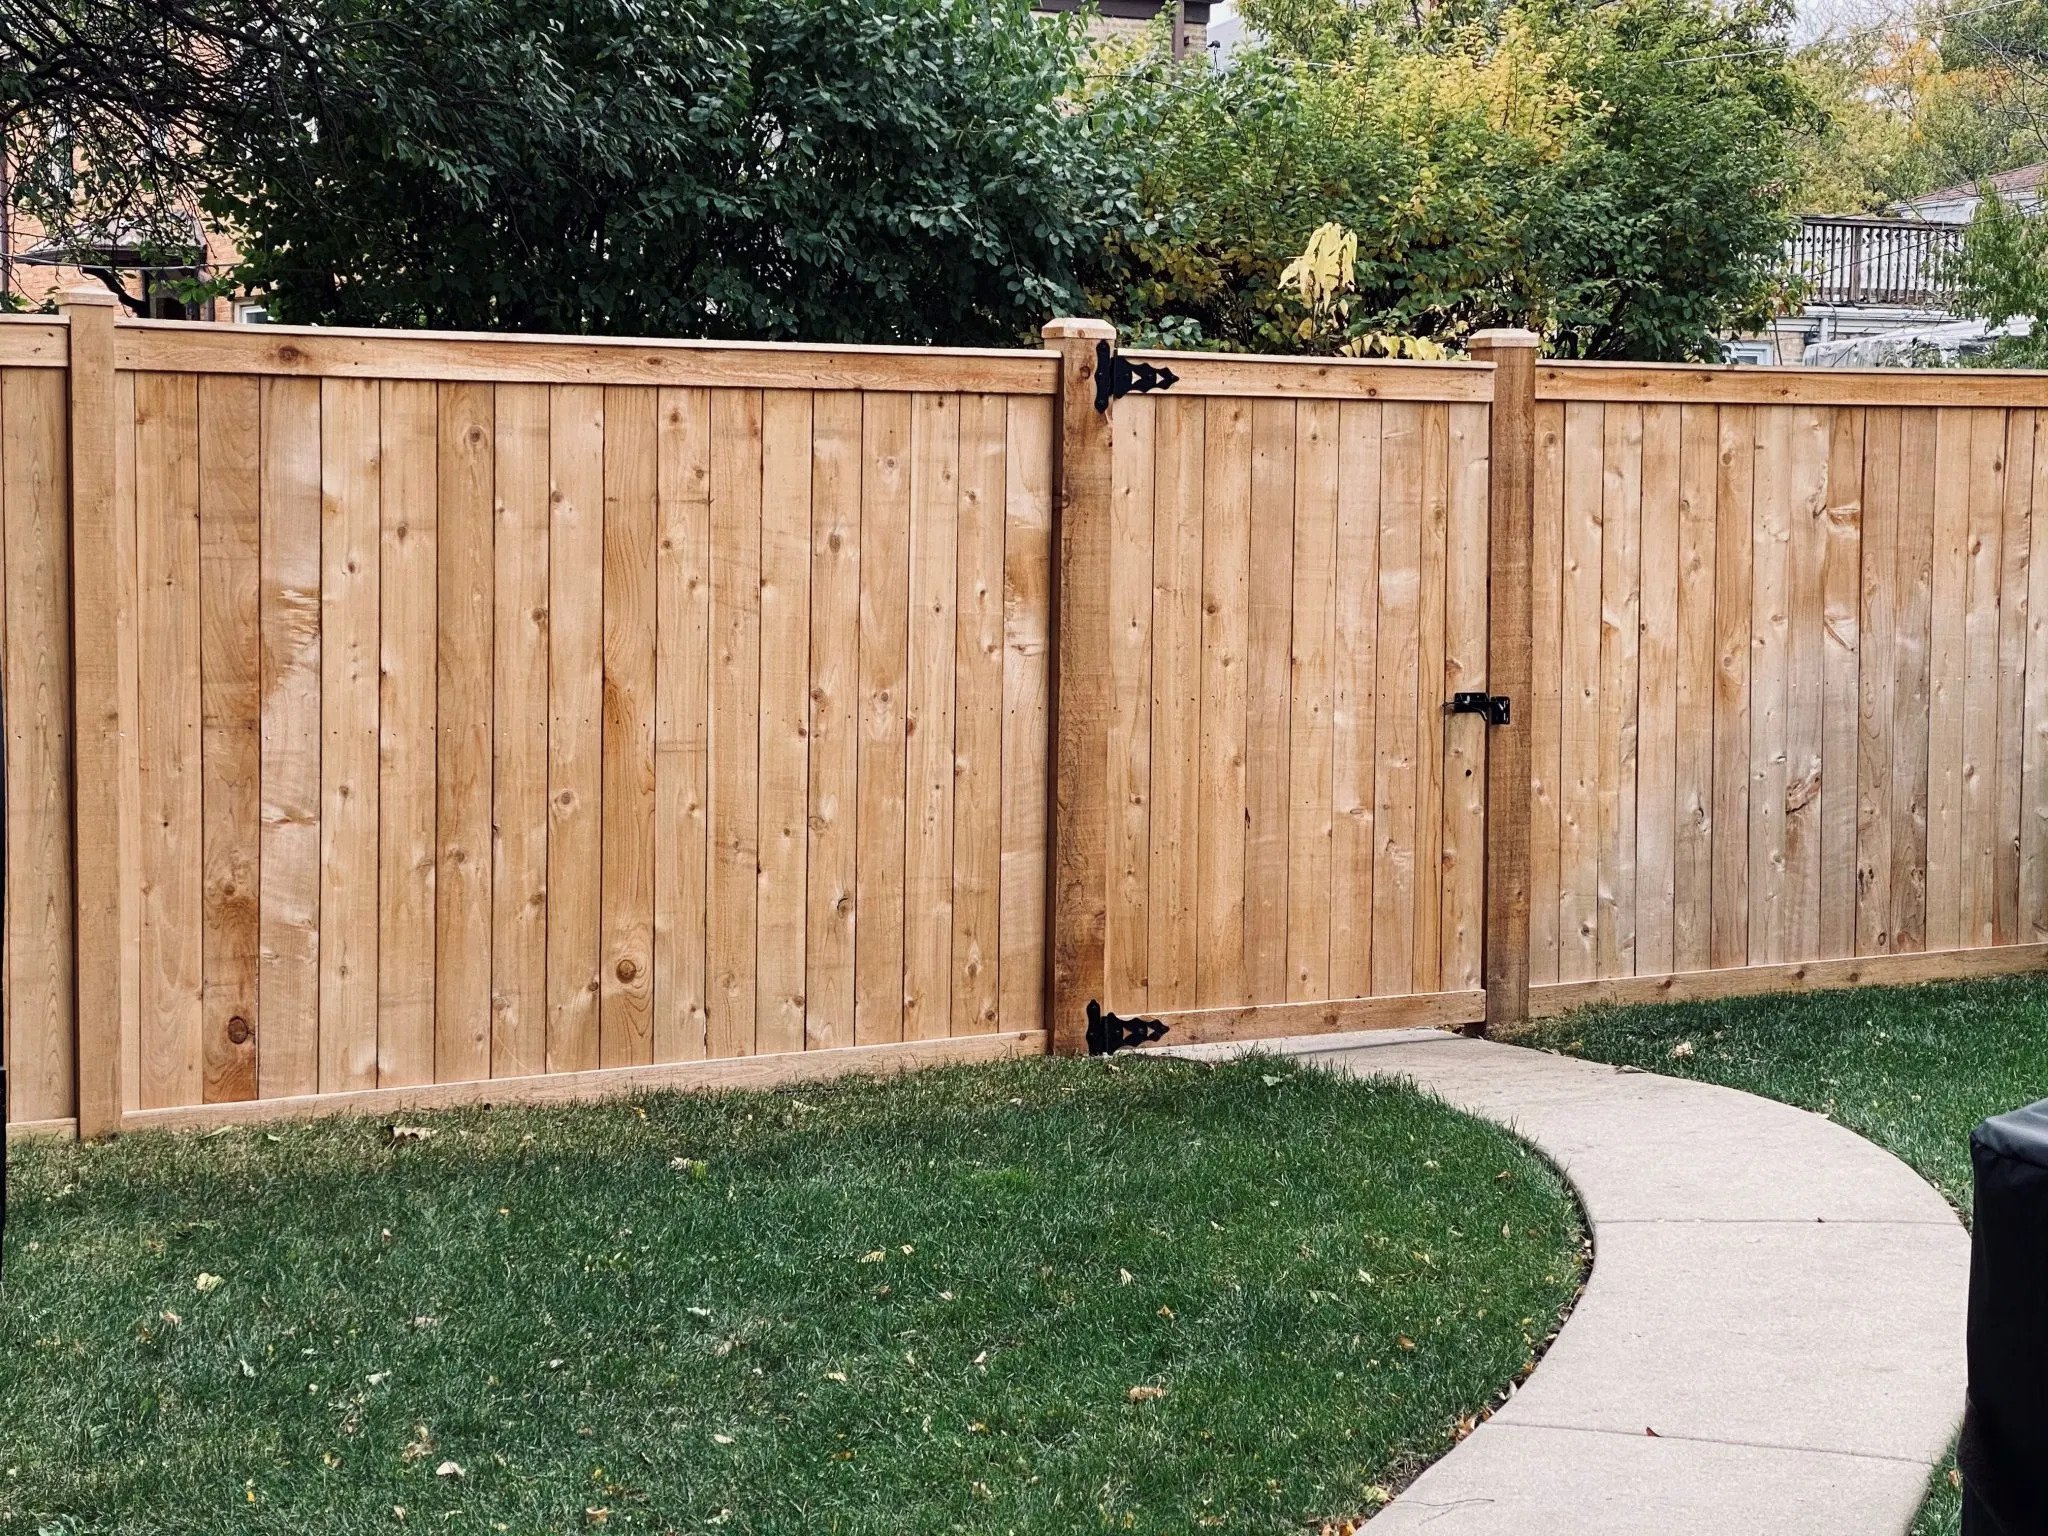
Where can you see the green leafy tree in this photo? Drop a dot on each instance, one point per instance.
(2000, 274)
(1616, 175)
(874, 170)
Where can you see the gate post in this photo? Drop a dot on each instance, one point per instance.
(1511, 517)
(1080, 690)
(96, 714)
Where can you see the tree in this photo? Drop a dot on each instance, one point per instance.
(874, 170)
(1615, 175)
(103, 108)
(2000, 273)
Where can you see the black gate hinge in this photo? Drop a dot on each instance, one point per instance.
(1492, 705)
(1109, 1032)
(1117, 376)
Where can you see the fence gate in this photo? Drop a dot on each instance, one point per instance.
(1294, 587)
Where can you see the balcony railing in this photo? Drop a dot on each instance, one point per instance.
(1872, 261)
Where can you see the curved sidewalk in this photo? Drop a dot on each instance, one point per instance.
(1771, 1339)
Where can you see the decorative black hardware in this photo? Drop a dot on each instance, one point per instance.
(1117, 376)
(1492, 705)
(1108, 1032)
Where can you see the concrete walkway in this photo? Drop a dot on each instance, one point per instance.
(1771, 1340)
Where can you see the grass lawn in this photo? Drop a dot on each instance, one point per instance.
(1912, 1068)
(1153, 1296)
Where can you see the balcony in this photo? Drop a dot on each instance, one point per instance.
(1893, 263)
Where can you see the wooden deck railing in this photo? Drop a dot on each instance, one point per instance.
(1872, 261)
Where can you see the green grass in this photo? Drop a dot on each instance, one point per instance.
(903, 1307)
(1912, 1068)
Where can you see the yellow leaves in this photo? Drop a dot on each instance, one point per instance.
(1682, 1051)
(1145, 1394)
(1388, 344)
(1324, 272)
(207, 1284)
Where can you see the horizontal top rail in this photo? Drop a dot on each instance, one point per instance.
(1332, 378)
(1693, 384)
(484, 357)
(37, 342)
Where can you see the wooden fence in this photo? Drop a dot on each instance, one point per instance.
(409, 719)
(1790, 710)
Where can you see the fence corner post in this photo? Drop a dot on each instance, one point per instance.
(1080, 696)
(96, 712)
(1511, 516)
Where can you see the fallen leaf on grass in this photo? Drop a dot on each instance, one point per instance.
(411, 1132)
(449, 1469)
(1145, 1394)
(207, 1283)
(1682, 1051)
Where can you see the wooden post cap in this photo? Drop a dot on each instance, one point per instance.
(79, 295)
(1078, 330)
(1504, 336)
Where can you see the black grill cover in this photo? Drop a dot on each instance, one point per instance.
(2004, 1452)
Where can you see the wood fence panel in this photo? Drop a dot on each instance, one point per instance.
(1913, 587)
(489, 728)
(977, 750)
(350, 492)
(1295, 822)
(1355, 719)
(230, 421)
(465, 615)
(835, 717)
(1836, 662)
(1692, 887)
(682, 759)
(631, 498)
(1176, 703)
(408, 628)
(783, 928)
(575, 690)
(40, 982)
(494, 710)
(2009, 710)
(1128, 846)
(1545, 711)
(519, 727)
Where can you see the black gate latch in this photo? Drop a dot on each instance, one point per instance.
(1109, 1032)
(1492, 705)
(1117, 376)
